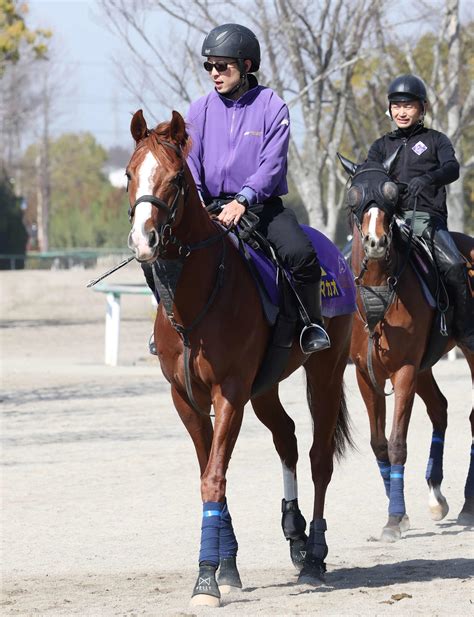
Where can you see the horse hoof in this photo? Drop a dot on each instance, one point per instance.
(439, 510)
(466, 519)
(298, 552)
(228, 578)
(438, 504)
(312, 574)
(226, 589)
(202, 599)
(206, 592)
(391, 534)
(404, 523)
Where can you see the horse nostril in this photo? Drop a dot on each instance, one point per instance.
(152, 239)
(372, 244)
(384, 240)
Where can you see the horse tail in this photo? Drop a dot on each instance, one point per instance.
(342, 435)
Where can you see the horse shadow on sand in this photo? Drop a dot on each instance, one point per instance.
(384, 575)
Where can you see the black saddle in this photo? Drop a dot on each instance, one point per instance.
(435, 292)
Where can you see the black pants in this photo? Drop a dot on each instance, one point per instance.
(281, 228)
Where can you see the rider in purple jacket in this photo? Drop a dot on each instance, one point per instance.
(240, 133)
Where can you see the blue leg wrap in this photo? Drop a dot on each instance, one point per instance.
(211, 523)
(227, 541)
(469, 488)
(434, 470)
(397, 501)
(385, 467)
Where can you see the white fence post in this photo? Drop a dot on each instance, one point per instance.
(112, 328)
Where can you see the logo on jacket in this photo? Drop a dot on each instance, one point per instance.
(419, 148)
(254, 133)
(285, 122)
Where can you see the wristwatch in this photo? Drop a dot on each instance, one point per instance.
(242, 200)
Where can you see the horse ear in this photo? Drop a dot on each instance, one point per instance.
(138, 126)
(348, 165)
(178, 129)
(390, 160)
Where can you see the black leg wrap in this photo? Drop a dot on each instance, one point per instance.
(294, 526)
(206, 581)
(316, 552)
(228, 573)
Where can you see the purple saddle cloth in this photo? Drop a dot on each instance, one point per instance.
(338, 292)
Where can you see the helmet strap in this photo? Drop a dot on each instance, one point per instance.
(240, 85)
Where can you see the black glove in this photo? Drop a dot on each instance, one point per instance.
(416, 185)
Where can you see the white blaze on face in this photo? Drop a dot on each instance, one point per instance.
(145, 173)
(373, 214)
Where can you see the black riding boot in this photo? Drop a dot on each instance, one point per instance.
(454, 271)
(148, 272)
(463, 318)
(313, 337)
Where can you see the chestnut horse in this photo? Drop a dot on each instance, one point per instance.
(391, 334)
(210, 341)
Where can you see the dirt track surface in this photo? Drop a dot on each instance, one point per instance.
(101, 506)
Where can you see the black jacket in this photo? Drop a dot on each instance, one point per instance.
(425, 152)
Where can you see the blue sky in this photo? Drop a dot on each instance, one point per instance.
(84, 48)
(94, 100)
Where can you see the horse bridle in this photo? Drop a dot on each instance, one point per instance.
(165, 229)
(387, 207)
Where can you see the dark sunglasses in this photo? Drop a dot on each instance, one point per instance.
(219, 66)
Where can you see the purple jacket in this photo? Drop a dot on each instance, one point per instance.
(239, 146)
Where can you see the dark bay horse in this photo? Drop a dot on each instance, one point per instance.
(211, 336)
(391, 334)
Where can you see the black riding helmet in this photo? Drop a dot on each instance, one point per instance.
(407, 88)
(233, 41)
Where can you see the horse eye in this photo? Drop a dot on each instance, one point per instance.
(390, 191)
(354, 196)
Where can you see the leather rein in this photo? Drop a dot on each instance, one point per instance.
(166, 237)
(378, 299)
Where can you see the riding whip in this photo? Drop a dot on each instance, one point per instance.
(92, 282)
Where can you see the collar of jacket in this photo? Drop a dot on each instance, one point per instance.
(406, 133)
(246, 97)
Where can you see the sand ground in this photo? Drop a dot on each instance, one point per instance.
(100, 489)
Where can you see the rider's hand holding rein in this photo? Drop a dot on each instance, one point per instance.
(231, 213)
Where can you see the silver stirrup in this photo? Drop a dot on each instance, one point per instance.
(324, 342)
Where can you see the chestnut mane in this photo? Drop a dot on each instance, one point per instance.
(153, 142)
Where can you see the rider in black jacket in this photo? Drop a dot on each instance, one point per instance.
(427, 163)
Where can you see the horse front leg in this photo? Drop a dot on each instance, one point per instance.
(437, 409)
(271, 413)
(404, 384)
(218, 542)
(376, 411)
(326, 401)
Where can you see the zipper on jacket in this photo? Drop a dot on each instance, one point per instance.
(230, 148)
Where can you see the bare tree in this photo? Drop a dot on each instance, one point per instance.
(310, 51)
(451, 106)
(437, 57)
(313, 56)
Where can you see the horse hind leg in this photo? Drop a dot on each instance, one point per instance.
(466, 516)
(331, 434)
(437, 409)
(271, 413)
